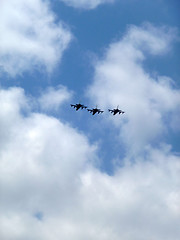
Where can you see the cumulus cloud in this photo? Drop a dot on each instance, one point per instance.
(120, 79)
(51, 190)
(29, 37)
(86, 4)
(135, 202)
(38, 154)
(52, 98)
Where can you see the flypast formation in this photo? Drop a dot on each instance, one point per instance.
(95, 110)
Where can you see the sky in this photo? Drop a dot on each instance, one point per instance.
(66, 174)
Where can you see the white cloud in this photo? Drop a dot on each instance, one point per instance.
(40, 157)
(46, 170)
(139, 202)
(156, 40)
(52, 98)
(29, 36)
(86, 4)
(120, 79)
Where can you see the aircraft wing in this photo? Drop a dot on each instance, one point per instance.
(111, 111)
(83, 106)
(72, 105)
(121, 112)
(100, 111)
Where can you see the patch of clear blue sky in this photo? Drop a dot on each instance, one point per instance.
(94, 30)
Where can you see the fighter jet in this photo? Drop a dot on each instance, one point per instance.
(95, 110)
(78, 106)
(115, 111)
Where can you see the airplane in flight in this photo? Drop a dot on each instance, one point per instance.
(116, 110)
(78, 106)
(95, 110)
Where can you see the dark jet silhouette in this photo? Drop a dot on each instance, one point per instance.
(95, 110)
(115, 111)
(78, 106)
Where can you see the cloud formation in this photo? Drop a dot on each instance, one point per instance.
(51, 190)
(120, 79)
(52, 98)
(47, 162)
(86, 4)
(30, 38)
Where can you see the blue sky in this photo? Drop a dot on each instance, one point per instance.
(70, 175)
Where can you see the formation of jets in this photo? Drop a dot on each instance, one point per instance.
(96, 110)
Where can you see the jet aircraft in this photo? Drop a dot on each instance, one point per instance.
(95, 110)
(78, 106)
(116, 110)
